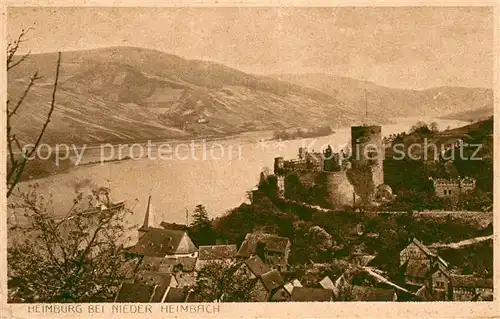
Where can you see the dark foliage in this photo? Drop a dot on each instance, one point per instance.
(201, 230)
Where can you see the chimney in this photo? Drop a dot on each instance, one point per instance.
(147, 219)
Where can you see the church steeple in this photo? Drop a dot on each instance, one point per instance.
(147, 219)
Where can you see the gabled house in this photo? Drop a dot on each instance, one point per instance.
(273, 283)
(162, 242)
(417, 263)
(269, 287)
(415, 251)
(215, 254)
(272, 250)
(254, 267)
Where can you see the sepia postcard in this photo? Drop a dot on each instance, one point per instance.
(249, 160)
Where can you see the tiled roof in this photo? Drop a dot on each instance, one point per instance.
(151, 263)
(311, 294)
(173, 226)
(272, 243)
(176, 295)
(470, 281)
(291, 285)
(423, 247)
(170, 264)
(217, 252)
(327, 283)
(257, 266)
(152, 278)
(161, 280)
(272, 280)
(158, 242)
(362, 293)
(135, 292)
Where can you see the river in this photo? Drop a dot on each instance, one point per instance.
(186, 179)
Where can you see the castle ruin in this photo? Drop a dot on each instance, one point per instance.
(344, 180)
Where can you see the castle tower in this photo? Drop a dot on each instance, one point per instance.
(280, 180)
(279, 166)
(367, 150)
(148, 218)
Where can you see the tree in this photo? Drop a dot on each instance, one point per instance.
(17, 160)
(223, 282)
(434, 127)
(77, 258)
(320, 244)
(201, 230)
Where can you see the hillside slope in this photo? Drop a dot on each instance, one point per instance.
(392, 102)
(130, 94)
(126, 93)
(471, 115)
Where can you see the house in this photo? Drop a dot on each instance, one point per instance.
(468, 288)
(291, 285)
(160, 281)
(417, 261)
(439, 283)
(182, 268)
(416, 272)
(162, 242)
(306, 294)
(158, 242)
(135, 292)
(271, 249)
(215, 254)
(415, 251)
(274, 286)
(254, 267)
(452, 187)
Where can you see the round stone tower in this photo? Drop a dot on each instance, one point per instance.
(367, 150)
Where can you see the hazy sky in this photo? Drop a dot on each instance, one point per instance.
(398, 47)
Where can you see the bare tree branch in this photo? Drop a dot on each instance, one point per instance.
(52, 105)
(33, 78)
(17, 167)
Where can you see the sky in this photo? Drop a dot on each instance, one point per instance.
(406, 47)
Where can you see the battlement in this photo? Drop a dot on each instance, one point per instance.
(459, 182)
(447, 187)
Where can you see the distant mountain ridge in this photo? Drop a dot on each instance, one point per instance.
(435, 101)
(471, 115)
(128, 94)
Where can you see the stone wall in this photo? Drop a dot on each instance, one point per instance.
(340, 191)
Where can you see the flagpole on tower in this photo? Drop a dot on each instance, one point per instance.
(366, 109)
